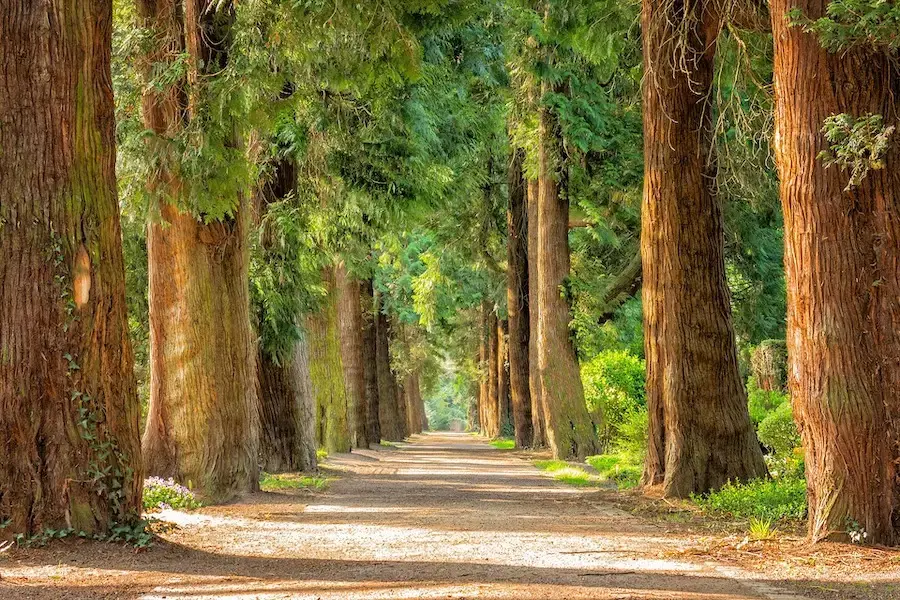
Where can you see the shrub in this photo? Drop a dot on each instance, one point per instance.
(771, 499)
(613, 390)
(160, 494)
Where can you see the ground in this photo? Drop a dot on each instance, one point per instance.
(443, 516)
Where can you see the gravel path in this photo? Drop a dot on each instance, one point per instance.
(444, 516)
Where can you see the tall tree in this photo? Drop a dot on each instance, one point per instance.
(68, 404)
(843, 269)
(353, 355)
(517, 301)
(700, 431)
(569, 430)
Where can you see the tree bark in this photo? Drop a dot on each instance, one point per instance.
(569, 429)
(327, 371)
(392, 418)
(370, 364)
(700, 431)
(287, 412)
(68, 402)
(842, 262)
(517, 301)
(534, 368)
(351, 322)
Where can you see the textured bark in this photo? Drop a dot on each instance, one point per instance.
(534, 367)
(327, 371)
(352, 353)
(700, 430)
(370, 366)
(287, 412)
(504, 404)
(391, 416)
(517, 302)
(842, 263)
(66, 365)
(569, 429)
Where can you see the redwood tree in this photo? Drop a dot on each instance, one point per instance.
(202, 422)
(700, 432)
(68, 405)
(517, 302)
(842, 262)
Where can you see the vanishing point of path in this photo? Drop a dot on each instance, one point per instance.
(444, 516)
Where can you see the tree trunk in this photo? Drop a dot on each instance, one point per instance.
(569, 430)
(392, 419)
(517, 300)
(351, 322)
(504, 405)
(370, 364)
(327, 371)
(68, 402)
(534, 368)
(700, 431)
(288, 412)
(842, 262)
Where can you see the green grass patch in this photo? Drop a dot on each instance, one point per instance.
(503, 443)
(622, 468)
(569, 474)
(762, 499)
(293, 481)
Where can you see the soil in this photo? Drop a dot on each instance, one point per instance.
(444, 516)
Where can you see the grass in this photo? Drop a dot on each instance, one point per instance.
(622, 468)
(293, 481)
(566, 473)
(503, 443)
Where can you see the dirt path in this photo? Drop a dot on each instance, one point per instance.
(445, 516)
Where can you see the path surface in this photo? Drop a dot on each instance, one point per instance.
(445, 516)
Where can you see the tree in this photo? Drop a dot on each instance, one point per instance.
(202, 422)
(352, 352)
(569, 430)
(700, 432)
(68, 404)
(518, 302)
(842, 259)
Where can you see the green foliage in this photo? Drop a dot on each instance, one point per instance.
(161, 494)
(856, 144)
(847, 23)
(613, 390)
(772, 499)
(624, 468)
(292, 481)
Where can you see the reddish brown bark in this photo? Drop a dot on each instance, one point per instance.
(68, 407)
(203, 418)
(370, 366)
(534, 370)
(569, 430)
(517, 302)
(352, 352)
(842, 263)
(700, 431)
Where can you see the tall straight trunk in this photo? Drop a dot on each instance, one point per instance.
(517, 301)
(492, 409)
(353, 354)
(534, 367)
(700, 431)
(287, 412)
(569, 429)
(842, 262)
(327, 371)
(68, 402)
(370, 365)
(504, 405)
(391, 417)
(203, 418)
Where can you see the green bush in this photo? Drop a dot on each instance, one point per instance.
(772, 499)
(614, 392)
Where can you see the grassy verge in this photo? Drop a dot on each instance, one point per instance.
(293, 481)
